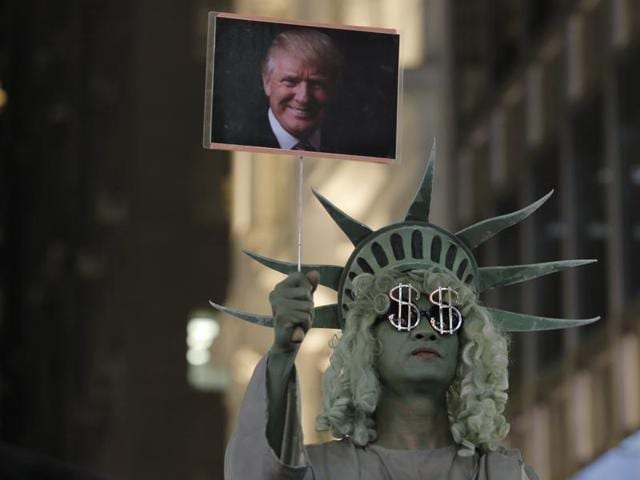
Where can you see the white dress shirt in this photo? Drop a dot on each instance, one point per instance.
(288, 141)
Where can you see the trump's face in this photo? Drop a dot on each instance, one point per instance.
(299, 91)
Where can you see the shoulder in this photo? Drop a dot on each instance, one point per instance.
(261, 133)
(252, 129)
(334, 458)
(347, 136)
(331, 447)
(506, 463)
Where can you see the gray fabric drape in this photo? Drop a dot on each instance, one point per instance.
(249, 456)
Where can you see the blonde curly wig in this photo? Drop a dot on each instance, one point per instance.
(477, 397)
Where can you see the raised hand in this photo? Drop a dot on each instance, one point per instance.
(292, 306)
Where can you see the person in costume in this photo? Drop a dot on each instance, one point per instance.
(417, 382)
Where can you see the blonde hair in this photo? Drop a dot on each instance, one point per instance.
(477, 397)
(307, 44)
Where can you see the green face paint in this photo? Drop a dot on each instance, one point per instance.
(419, 360)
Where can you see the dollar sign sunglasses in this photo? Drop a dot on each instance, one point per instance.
(405, 315)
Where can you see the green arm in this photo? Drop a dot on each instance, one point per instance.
(280, 373)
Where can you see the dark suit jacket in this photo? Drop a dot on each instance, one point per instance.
(343, 132)
(256, 132)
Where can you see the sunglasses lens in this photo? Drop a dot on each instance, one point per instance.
(403, 316)
(445, 320)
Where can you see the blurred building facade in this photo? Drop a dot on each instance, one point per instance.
(113, 231)
(546, 97)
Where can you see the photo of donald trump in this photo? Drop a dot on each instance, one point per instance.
(300, 75)
(298, 88)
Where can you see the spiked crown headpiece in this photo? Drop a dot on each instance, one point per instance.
(416, 244)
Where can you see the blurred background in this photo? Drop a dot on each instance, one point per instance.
(116, 227)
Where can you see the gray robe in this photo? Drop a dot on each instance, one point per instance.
(249, 456)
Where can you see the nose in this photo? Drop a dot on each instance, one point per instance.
(424, 335)
(302, 92)
(424, 331)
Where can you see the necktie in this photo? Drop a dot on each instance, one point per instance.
(302, 145)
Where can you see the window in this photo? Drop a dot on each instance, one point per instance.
(550, 231)
(589, 176)
(629, 138)
(509, 252)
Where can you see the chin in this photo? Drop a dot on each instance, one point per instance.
(301, 132)
(427, 377)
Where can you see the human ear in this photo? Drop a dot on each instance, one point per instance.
(266, 84)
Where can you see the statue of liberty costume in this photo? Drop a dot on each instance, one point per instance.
(414, 339)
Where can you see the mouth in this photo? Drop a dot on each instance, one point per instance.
(424, 352)
(305, 112)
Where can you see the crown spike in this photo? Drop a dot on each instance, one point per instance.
(419, 209)
(325, 316)
(355, 230)
(521, 322)
(480, 232)
(492, 277)
(329, 274)
(264, 320)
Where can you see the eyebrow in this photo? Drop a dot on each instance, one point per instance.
(316, 78)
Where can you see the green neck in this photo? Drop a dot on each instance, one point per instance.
(412, 421)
